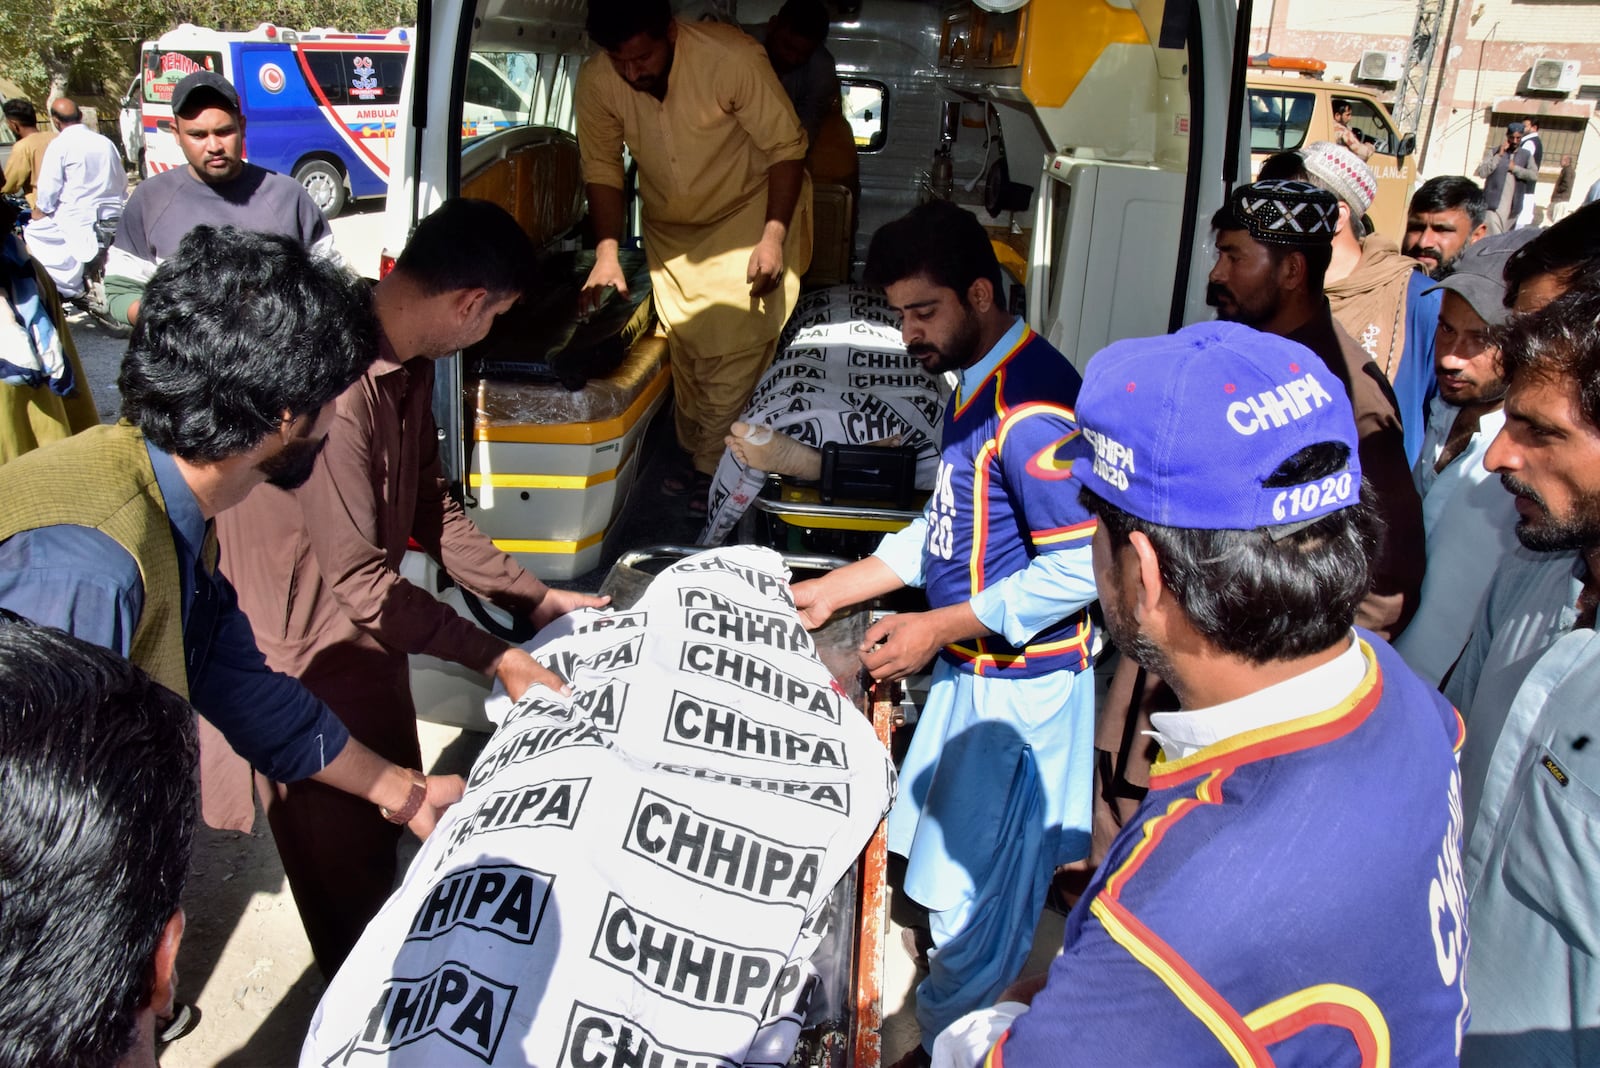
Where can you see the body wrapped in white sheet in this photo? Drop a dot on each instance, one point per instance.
(630, 871)
(842, 375)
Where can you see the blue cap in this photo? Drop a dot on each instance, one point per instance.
(1186, 427)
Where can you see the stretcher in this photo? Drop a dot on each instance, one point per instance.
(791, 516)
(550, 467)
(845, 1019)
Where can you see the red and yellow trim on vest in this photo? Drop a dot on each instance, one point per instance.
(1279, 739)
(985, 662)
(960, 403)
(1245, 1038)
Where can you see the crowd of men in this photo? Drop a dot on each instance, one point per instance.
(1338, 806)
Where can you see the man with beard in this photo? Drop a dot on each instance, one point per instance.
(318, 567)
(726, 204)
(228, 383)
(1358, 143)
(1273, 249)
(1527, 685)
(217, 188)
(1446, 215)
(1289, 890)
(1465, 515)
(995, 788)
(1375, 293)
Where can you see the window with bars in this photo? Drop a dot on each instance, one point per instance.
(1558, 134)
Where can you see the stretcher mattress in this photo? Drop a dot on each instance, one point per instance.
(534, 409)
(636, 873)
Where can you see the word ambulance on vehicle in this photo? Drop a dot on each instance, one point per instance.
(320, 106)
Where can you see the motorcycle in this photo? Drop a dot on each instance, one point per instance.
(17, 205)
(93, 298)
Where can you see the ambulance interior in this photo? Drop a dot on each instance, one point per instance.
(1074, 130)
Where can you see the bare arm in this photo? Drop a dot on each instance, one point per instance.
(818, 599)
(901, 644)
(1354, 142)
(358, 770)
(784, 182)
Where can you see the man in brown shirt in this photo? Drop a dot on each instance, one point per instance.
(317, 569)
(1274, 242)
(22, 168)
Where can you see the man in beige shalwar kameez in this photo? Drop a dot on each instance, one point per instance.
(727, 204)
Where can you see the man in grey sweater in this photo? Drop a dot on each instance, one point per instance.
(217, 187)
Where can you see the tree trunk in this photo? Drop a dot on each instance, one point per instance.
(58, 65)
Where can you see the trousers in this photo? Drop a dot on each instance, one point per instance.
(709, 393)
(995, 793)
(338, 851)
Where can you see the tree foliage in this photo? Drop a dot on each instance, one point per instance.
(49, 46)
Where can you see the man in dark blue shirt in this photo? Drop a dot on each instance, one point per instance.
(244, 344)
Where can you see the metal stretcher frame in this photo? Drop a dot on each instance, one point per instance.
(872, 920)
(856, 1041)
(804, 508)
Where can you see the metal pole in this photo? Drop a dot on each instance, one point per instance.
(1241, 51)
(1413, 84)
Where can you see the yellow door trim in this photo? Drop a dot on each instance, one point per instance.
(887, 526)
(543, 482)
(583, 433)
(533, 545)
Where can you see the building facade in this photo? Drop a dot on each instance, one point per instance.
(1494, 61)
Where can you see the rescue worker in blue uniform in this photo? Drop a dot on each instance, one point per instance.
(1290, 891)
(995, 790)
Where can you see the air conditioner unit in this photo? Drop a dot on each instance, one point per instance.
(1552, 75)
(1378, 67)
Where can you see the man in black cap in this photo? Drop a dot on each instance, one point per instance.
(1274, 241)
(217, 188)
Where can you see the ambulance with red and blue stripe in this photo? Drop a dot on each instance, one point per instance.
(319, 105)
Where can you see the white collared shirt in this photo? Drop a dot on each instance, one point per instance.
(1188, 731)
